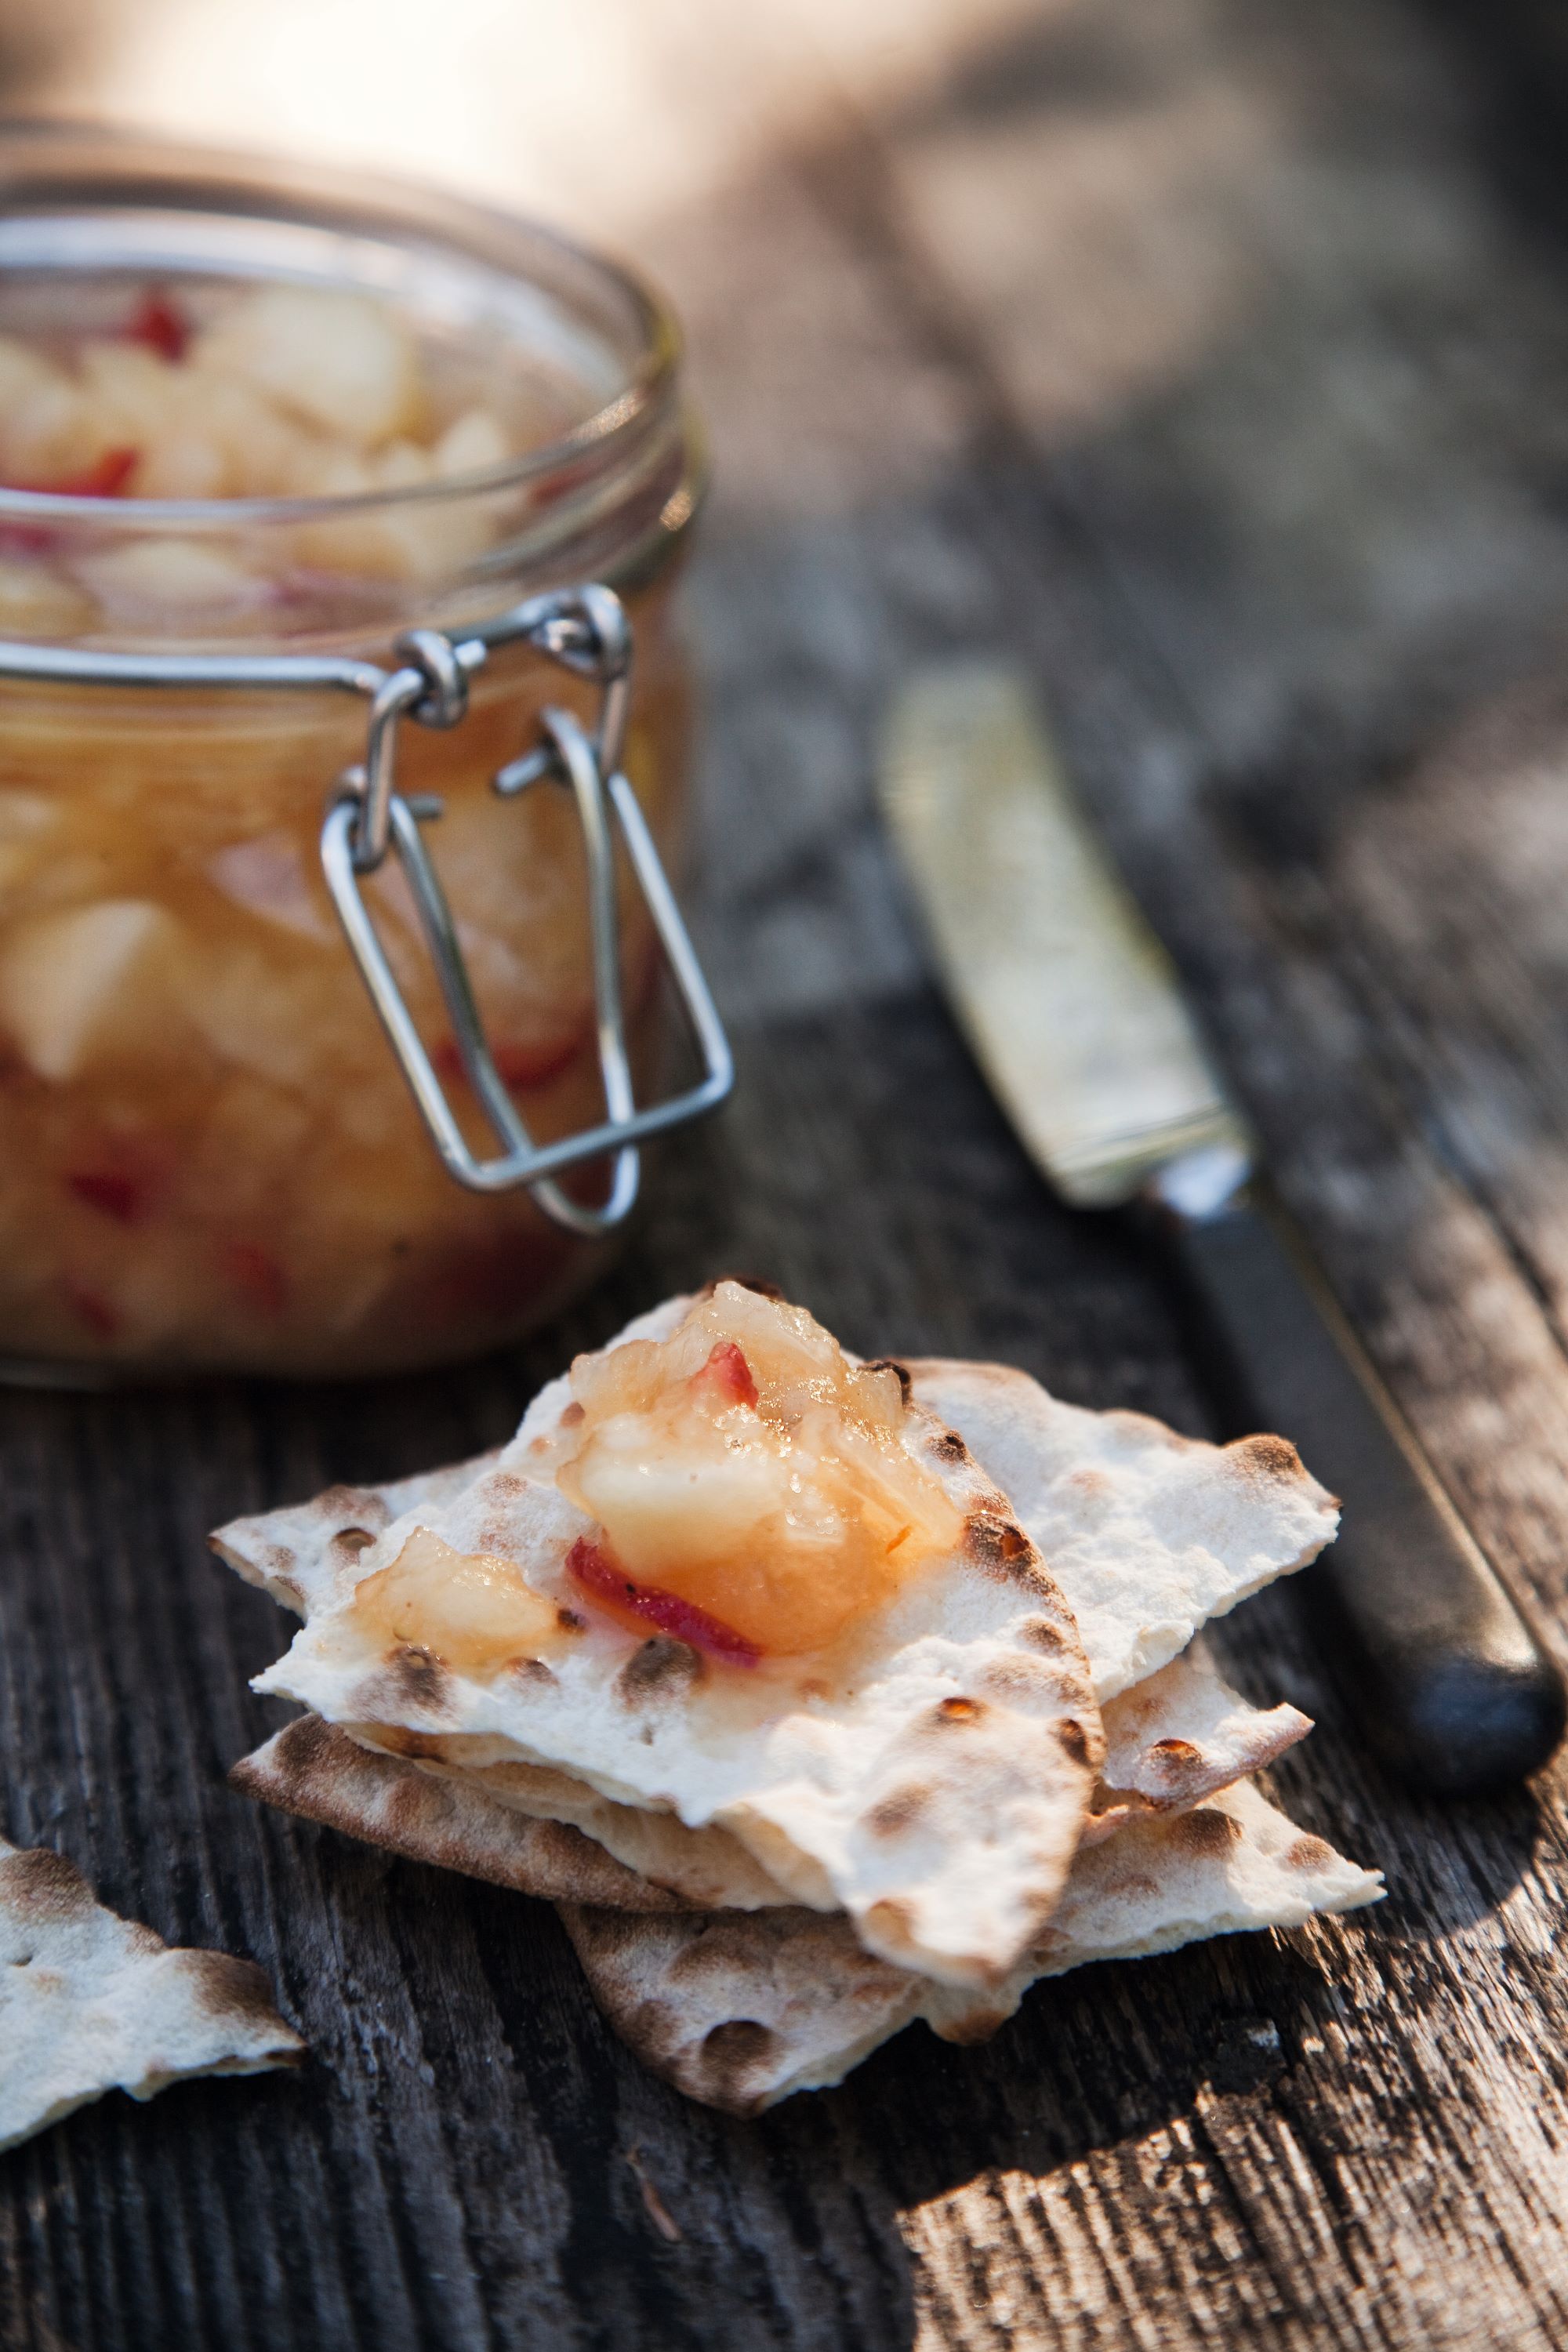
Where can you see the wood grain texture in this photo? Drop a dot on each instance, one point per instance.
(1200, 353)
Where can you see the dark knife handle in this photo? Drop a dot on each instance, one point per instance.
(1447, 1679)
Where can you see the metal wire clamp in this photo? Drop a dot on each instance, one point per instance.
(585, 629)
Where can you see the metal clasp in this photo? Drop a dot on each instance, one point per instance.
(586, 630)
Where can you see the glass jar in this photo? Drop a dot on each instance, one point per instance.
(210, 1158)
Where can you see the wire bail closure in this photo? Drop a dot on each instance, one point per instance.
(585, 629)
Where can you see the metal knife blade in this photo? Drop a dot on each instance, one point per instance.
(1069, 1002)
(1075, 1013)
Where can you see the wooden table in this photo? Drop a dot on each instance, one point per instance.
(1212, 355)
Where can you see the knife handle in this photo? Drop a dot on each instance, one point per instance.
(1447, 1679)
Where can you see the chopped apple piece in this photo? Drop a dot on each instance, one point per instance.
(25, 372)
(592, 1567)
(266, 452)
(70, 982)
(181, 463)
(745, 1468)
(37, 602)
(174, 575)
(474, 1610)
(471, 444)
(45, 425)
(344, 362)
(130, 390)
(28, 820)
(402, 466)
(267, 877)
(417, 542)
(27, 817)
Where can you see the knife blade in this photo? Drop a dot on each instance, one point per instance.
(1075, 1013)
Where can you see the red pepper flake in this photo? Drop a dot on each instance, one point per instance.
(104, 478)
(728, 1373)
(160, 324)
(593, 1568)
(27, 538)
(257, 1273)
(94, 1310)
(114, 1193)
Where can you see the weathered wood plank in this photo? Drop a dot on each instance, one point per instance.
(1190, 351)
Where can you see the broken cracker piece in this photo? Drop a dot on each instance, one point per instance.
(740, 2010)
(1150, 1534)
(91, 2002)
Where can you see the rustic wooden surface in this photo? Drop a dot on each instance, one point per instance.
(1213, 356)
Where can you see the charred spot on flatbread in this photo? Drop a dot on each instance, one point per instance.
(307, 1752)
(1025, 1678)
(900, 1811)
(227, 1988)
(43, 1886)
(957, 1709)
(1265, 1456)
(1206, 1832)
(1074, 1739)
(891, 1921)
(356, 1516)
(901, 1373)
(997, 1544)
(662, 1668)
(946, 1446)
(415, 1679)
(734, 2063)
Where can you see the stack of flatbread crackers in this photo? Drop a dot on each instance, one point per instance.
(996, 1762)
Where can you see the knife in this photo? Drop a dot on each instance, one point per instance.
(1075, 1013)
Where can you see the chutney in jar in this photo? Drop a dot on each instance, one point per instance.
(248, 413)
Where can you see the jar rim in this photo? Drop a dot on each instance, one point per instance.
(182, 171)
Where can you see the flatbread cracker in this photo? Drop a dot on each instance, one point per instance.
(313, 1555)
(706, 1869)
(1170, 1743)
(1149, 1533)
(1172, 1740)
(934, 1781)
(315, 1769)
(740, 2010)
(303, 1553)
(1182, 1735)
(91, 2002)
(454, 1821)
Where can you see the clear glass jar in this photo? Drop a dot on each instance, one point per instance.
(209, 1159)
